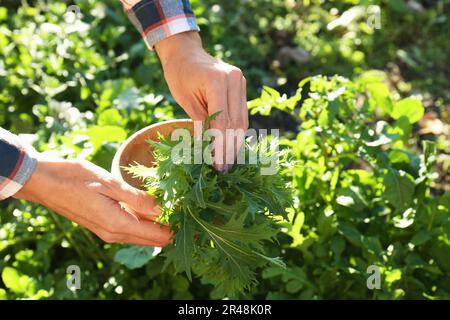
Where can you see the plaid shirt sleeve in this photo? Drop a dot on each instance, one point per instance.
(16, 164)
(159, 19)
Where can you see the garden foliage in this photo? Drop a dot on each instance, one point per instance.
(368, 177)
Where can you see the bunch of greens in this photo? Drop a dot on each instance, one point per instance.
(221, 221)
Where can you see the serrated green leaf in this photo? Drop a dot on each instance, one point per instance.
(220, 221)
(198, 191)
(181, 255)
(210, 118)
(139, 171)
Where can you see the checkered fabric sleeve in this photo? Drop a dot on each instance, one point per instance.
(16, 164)
(159, 19)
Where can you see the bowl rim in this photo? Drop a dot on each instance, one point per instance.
(115, 165)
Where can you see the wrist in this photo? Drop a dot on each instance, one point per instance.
(181, 43)
(40, 184)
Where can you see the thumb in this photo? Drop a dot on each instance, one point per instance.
(138, 202)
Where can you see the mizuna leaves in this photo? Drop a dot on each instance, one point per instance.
(221, 221)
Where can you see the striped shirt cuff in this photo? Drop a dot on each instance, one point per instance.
(16, 164)
(159, 19)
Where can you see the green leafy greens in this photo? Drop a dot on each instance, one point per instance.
(220, 221)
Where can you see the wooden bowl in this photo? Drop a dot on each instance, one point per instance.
(136, 149)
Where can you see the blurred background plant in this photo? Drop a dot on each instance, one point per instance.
(369, 149)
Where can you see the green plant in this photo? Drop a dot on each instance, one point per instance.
(363, 196)
(80, 93)
(220, 221)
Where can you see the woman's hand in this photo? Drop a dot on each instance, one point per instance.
(90, 196)
(204, 85)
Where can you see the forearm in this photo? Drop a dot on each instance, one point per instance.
(202, 84)
(16, 164)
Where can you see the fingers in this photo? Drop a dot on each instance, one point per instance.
(141, 204)
(237, 106)
(244, 112)
(196, 110)
(217, 98)
(244, 109)
(237, 99)
(137, 201)
(123, 227)
(228, 94)
(90, 196)
(234, 89)
(112, 224)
